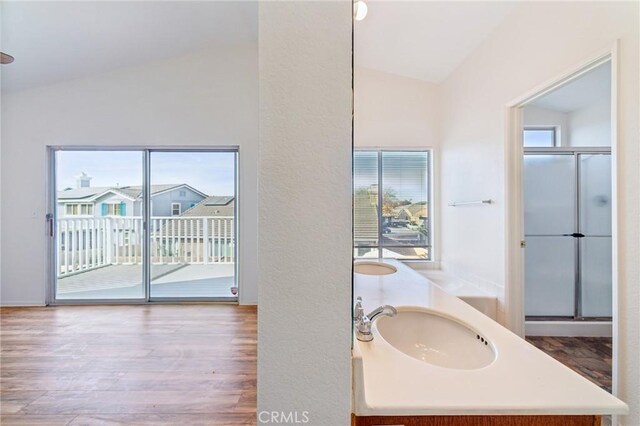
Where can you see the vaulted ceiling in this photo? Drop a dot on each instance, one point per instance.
(57, 41)
(426, 40)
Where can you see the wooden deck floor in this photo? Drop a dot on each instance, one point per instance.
(142, 365)
(588, 356)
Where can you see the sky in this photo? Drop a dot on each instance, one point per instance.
(209, 172)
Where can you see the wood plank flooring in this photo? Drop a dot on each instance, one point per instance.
(142, 365)
(588, 356)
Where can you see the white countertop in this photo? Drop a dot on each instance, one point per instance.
(452, 284)
(522, 379)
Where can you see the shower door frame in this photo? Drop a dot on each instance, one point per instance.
(575, 152)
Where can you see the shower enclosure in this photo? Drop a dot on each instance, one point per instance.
(567, 203)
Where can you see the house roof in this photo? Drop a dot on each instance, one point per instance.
(212, 206)
(365, 217)
(132, 191)
(81, 193)
(415, 210)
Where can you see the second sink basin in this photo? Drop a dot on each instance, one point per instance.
(373, 268)
(436, 339)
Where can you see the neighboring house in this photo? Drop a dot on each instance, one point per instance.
(415, 214)
(205, 231)
(87, 201)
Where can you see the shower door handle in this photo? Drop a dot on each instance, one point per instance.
(574, 235)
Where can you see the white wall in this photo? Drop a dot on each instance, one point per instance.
(473, 146)
(591, 126)
(207, 98)
(394, 111)
(536, 116)
(304, 327)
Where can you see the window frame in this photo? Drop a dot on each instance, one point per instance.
(553, 129)
(117, 211)
(89, 208)
(78, 207)
(179, 209)
(145, 151)
(430, 207)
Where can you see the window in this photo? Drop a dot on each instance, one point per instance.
(114, 209)
(539, 137)
(400, 226)
(86, 209)
(175, 209)
(183, 193)
(79, 209)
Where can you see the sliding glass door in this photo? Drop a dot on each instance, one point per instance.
(143, 225)
(98, 225)
(193, 225)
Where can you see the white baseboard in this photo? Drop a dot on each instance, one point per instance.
(568, 328)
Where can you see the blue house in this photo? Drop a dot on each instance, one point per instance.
(87, 201)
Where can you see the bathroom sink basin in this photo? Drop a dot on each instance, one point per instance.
(373, 268)
(436, 339)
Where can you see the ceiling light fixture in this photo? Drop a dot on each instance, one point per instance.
(359, 10)
(5, 59)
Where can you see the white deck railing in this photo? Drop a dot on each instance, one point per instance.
(90, 243)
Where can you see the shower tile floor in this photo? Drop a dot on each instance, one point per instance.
(588, 356)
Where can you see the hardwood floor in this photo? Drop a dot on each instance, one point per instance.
(589, 356)
(142, 365)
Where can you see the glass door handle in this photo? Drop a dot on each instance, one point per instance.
(574, 235)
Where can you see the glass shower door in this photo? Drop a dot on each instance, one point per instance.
(549, 221)
(595, 224)
(568, 260)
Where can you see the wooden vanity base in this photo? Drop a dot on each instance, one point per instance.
(475, 420)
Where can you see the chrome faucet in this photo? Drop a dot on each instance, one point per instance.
(363, 323)
(358, 312)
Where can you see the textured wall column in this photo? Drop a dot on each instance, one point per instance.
(304, 249)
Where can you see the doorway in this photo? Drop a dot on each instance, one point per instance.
(142, 225)
(567, 206)
(561, 229)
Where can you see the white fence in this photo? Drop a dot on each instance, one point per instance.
(90, 243)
